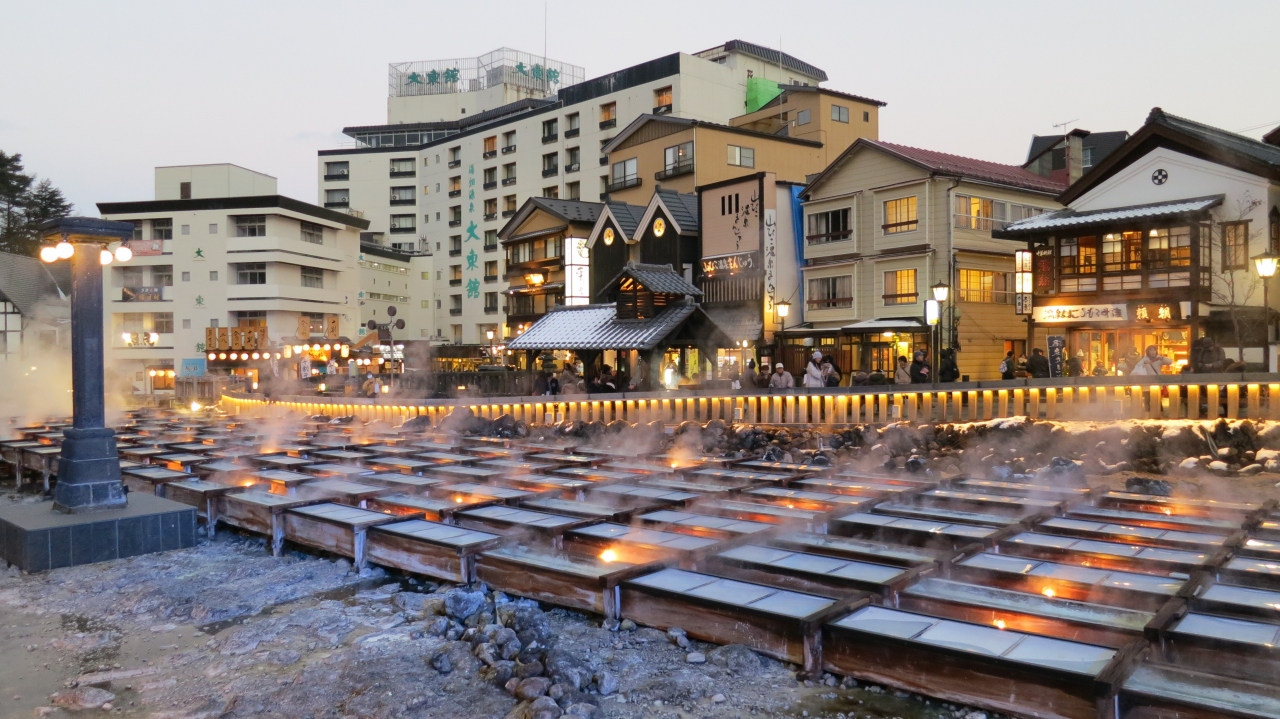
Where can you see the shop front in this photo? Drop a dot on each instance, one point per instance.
(1107, 337)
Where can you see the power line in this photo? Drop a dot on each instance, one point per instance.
(1273, 123)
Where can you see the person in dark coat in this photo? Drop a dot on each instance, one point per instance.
(949, 371)
(1038, 364)
(921, 370)
(1075, 365)
(1008, 365)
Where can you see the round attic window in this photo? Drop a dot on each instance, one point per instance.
(608, 236)
(659, 227)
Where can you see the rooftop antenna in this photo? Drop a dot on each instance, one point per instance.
(1065, 125)
(544, 47)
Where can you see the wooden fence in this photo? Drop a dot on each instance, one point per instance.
(1234, 396)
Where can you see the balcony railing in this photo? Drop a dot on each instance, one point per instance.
(662, 109)
(490, 216)
(508, 213)
(827, 237)
(550, 171)
(403, 201)
(909, 298)
(490, 278)
(830, 303)
(455, 311)
(491, 309)
(572, 132)
(606, 124)
(508, 181)
(488, 154)
(404, 173)
(396, 230)
(491, 248)
(338, 176)
(455, 282)
(551, 137)
(604, 160)
(489, 185)
(455, 252)
(508, 149)
(455, 163)
(339, 203)
(571, 167)
(623, 184)
(455, 193)
(455, 223)
(683, 168)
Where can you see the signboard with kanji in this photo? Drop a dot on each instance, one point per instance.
(331, 327)
(304, 326)
(1085, 313)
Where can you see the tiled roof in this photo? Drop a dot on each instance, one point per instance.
(949, 164)
(627, 216)
(658, 278)
(571, 210)
(596, 327)
(1235, 143)
(1073, 219)
(26, 282)
(683, 209)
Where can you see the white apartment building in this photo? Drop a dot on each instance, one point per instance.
(218, 248)
(468, 141)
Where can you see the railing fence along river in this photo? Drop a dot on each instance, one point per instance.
(1230, 396)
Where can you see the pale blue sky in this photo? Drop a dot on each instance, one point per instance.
(95, 94)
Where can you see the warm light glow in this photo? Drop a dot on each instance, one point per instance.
(65, 250)
(535, 278)
(105, 257)
(127, 337)
(931, 312)
(154, 337)
(1022, 282)
(213, 356)
(123, 254)
(608, 236)
(256, 355)
(1022, 261)
(297, 348)
(784, 309)
(195, 406)
(489, 334)
(346, 351)
(1048, 592)
(1266, 264)
(660, 226)
(255, 385)
(222, 355)
(327, 347)
(462, 386)
(609, 555)
(322, 386)
(999, 624)
(170, 373)
(152, 373)
(49, 254)
(386, 389)
(940, 291)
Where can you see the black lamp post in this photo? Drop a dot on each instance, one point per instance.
(89, 468)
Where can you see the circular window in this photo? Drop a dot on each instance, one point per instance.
(659, 227)
(608, 236)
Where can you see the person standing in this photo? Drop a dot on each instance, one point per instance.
(902, 373)
(1075, 365)
(813, 371)
(1150, 363)
(1008, 365)
(781, 378)
(921, 370)
(948, 371)
(1038, 365)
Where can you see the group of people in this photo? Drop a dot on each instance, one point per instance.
(1206, 356)
(570, 381)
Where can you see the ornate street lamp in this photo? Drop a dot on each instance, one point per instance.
(1266, 265)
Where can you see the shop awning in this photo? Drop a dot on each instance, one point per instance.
(1070, 220)
(888, 323)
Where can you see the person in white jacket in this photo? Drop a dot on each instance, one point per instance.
(813, 371)
(1150, 363)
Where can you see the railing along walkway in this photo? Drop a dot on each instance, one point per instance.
(1233, 396)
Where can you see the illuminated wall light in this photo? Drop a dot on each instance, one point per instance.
(213, 356)
(49, 254)
(123, 254)
(105, 257)
(65, 250)
(222, 355)
(152, 373)
(256, 355)
(170, 374)
(154, 337)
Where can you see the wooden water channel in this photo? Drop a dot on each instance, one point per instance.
(1039, 601)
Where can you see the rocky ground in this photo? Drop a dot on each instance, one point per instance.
(225, 630)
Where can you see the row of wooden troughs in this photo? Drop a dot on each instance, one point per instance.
(1038, 601)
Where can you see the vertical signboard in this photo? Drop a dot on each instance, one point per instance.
(1057, 354)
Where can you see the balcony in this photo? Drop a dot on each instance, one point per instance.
(490, 248)
(683, 168)
(339, 203)
(572, 132)
(488, 216)
(456, 282)
(488, 154)
(456, 252)
(456, 223)
(490, 185)
(662, 109)
(406, 230)
(404, 173)
(831, 303)
(455, 163)
(551, 171)
(550, 138)
(491, 309)
(828, 237)
(572, 167)
(623, 184)
(455, 193)
(455, 311)
(508, 149)
(338, 176)
(508, 181)
(607, 124)
(144, 294)
(395, 201)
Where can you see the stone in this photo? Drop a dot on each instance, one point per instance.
(503, 671)
(461, 603)
(511, 685)
(545, 706)
(1220, 468)
(532, 688)
(565, 668)
(738, 659)
(627, 626)
(696, 658)
(606, 683)
(1250, 470)
(719, 698)
(81, 698)
(582, 709)
(529, 669)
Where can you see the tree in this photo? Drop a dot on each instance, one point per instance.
(24, 205)
(1236, 288)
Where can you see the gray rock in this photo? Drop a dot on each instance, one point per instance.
(565, 668)
(606, 683)
(532, 688)
(1219, 468)
(437, 627)
(545, 706)
(81, 698)
(511, 685)
(462, 603)
(531, 625)
(737, 659)
(503, 671)
(582, 709)
(718, 698)
(529, 669)
(627, 626)
(696, 658)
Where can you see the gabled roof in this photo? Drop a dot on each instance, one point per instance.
(680, 208)
(1069, 219)
(1188, 136)
(570, 211)
(948, 165)
(26, 282)
(623, 216)
(597, 327)
(657, 278)
(684, 122)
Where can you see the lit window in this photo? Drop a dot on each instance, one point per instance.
(900, 287)
(900, 216)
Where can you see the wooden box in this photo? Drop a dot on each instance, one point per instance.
(460, 473)
(1107, 555)
(892, 554)
(637, 545)
(150, 478)
(811, 573)
(1159, 691)
(1003, 505)
(342, 491)
(1158, 520)
(283, 481)
(1142, 536)
(516, 522)
(336, 528)
(435, 509)
(701, 525)
(407, 483)
(201, 494)
(428, 548)
(518, 466)
(338, 471)
(179, 461)
(1134, 590)
(260, 512)
(470, 491)
(282, 461)
(576, 581)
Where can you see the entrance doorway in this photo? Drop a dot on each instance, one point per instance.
(1108, 348)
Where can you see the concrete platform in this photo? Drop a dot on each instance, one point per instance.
(36, 538)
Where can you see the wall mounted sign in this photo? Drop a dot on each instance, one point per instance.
(1157, 311)
(142, 248)
(730, 263)
(1087, 313)
(659, 227)
(1159, 177)
(140, 294)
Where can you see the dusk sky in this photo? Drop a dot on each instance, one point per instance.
(94, 94)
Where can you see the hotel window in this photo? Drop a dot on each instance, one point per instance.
(137, 229)
(457, 329)
(624, 172)
(402, 195)
(572, 124)
(251, 318)
(313, 233)
(251, 273)
(491, 146)
(829, 293)
(162, 275)
(251, 226)
(1235, 245)
(336, 198)
(491, 304)
(455, 215)
(313, 277)
(662, 97)
(490, 177)
(900, 215)
(490, 240)
(162, 229)
(404, 223)
(802, 117)
(509, 203)
(491, 271)
(455, 274)
(550, 164)
(455, 155)
(455, 304)
(608, 112)
(402, 167)
(830, 226)
(184, 190)
(572, 158)
(840, 113)
(1121, 251)
(1169, 247)
(550, 129)
(680, 156)
(509, 141)
(742, 156)
(552, 192)
(573, 191)
(162, 323)
(978, 213)
(132, 321)
(455, 245)
(986, 286)
(900, 287)
(316, 320)
(491, 208)
(509, 173)
(1077, 256)
(335, 170)
(455, 185)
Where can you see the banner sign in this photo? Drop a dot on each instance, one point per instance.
(1087, 313)
(730, 263)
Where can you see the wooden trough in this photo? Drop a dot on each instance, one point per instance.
(150, 479)
(577, 581)
(637, 545)
(203, 495)
(1134, 590)
(915, 532)
(1107, 555)
(516, 522)
(336, 528)
(1160, 691)
(259, 512)
(440, 551)
(812, 573)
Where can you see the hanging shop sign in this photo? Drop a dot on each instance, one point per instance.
(1077, 313)
(235, 338)
(737, 262)
(1156, 311)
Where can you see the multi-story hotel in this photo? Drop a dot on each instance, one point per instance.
(218, 249)
(468, 141)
